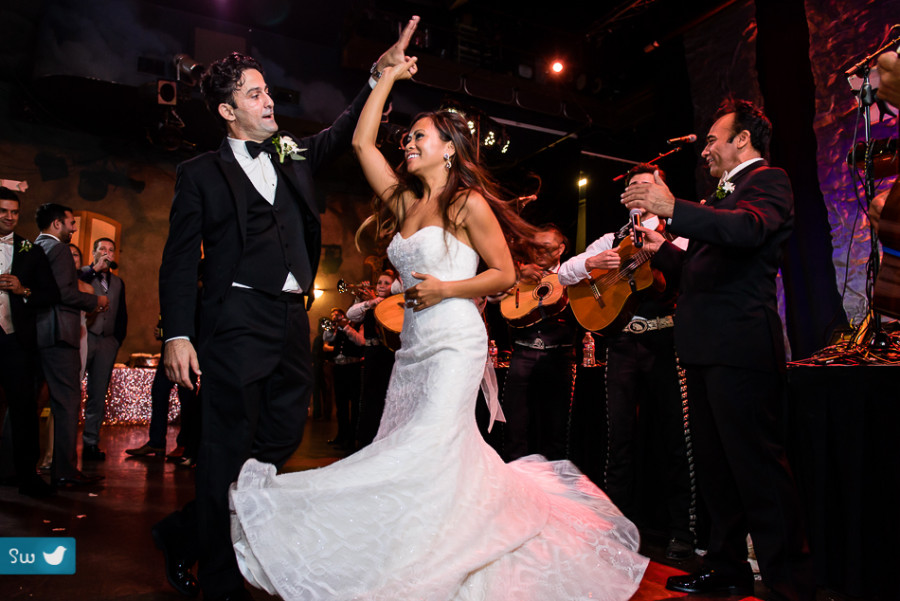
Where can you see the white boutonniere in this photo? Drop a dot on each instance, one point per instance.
(725, 188)
(24, 246)
(286, 147)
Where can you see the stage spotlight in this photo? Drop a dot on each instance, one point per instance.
(187, 69)
(582, 182)
(557, 67)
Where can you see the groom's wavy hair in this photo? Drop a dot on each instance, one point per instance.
(221, 80)
(466, 174)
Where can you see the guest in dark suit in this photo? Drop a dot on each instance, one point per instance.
(106, 331)
(59, 340)
(253, 207)
(26, 284)
(729, 337)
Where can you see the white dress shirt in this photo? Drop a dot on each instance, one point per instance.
(6, 257)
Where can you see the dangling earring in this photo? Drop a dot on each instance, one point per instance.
(448, 164)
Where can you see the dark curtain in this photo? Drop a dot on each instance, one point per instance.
(813, 304)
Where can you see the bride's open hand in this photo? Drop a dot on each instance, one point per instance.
(427, 293)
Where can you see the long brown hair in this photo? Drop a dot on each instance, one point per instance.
(465, 175)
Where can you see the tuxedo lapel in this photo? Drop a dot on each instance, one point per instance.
(743, 173)
(235, 177)
(736, 180)
(290, 175)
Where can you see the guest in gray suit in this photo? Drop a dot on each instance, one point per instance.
(106, 331)
(58, 332)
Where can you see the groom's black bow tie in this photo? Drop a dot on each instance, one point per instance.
(254, 148)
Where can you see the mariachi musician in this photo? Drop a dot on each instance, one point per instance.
(378, 358)
(348, 345)
(537, 398)
(884, 211)
(643, 378)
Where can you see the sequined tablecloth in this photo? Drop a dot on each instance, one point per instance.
(128, 398)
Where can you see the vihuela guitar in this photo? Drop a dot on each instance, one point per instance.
(604, 301)
(529, 302)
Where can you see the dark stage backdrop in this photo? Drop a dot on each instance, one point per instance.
(788, 56)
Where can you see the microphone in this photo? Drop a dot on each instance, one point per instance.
(110, 263)
(688, 139)
(635, 216)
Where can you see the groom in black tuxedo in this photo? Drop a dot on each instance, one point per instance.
(728, 336)
(253, 207)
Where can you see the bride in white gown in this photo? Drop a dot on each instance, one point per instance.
(429, 511)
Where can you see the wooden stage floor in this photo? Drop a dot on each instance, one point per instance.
(116, 559)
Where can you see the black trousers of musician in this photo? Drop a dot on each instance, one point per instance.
(347, 378)
(647, 452)
(376, 375)
(738, 432)
(537, 402)
(254, 396)
(17, 373)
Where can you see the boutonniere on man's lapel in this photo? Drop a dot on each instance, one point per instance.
(287, 148)
(725, 188)
(24, 246)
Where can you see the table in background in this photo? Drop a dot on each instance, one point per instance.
(128, 398)
(844, 446)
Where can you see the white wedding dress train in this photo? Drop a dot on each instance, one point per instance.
(429, 511)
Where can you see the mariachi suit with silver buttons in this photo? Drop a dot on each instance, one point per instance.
(643, 388)
(537, 394)
(252, 343)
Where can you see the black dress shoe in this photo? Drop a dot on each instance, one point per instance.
(178, 567)
(92, 452)
(146, 449)
(36, 488)
(78, 479)
(710, 582)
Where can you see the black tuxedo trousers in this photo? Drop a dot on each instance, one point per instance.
(254, 394)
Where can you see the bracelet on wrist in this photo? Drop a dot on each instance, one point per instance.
(374, 73)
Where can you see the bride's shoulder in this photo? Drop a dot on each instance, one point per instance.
(467, 202)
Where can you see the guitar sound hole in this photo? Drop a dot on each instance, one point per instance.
(542, 291)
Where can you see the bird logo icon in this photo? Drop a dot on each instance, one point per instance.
(55, 558)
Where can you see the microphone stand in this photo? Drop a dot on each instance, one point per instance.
(620, 177)
(866, 98)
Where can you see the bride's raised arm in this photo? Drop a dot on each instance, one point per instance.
(378, 171)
